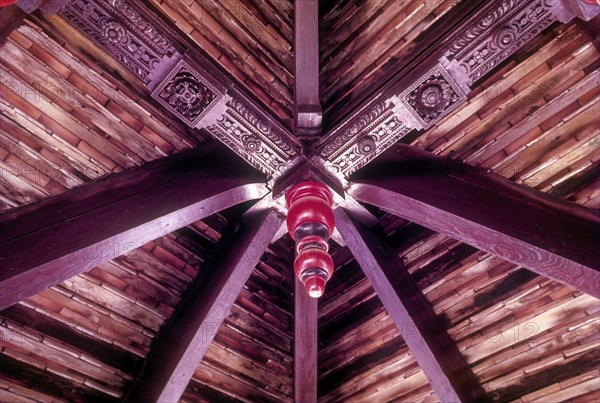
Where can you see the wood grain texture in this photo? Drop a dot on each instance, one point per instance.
(306, 55)
(48, 242)
(181, 347)
(10, 17)
(548, 236)
(305, 346)
(413, 315)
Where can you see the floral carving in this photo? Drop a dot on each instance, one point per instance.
(252, 143)
(368, 118)
(433, 96)
(124, 34)
(367, 146)
(187, 95)
(114, 33)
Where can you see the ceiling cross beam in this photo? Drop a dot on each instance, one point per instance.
(437, 354)
(305, 345)
(308, 112)
(11, 18)
(183, 342)
(551, 237)
(47, 242)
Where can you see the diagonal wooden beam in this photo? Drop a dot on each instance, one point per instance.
(45, 243)
(305, 347)
(551, 237)
(181, 346)
(432, 347)
(306, 56)
(11, 17)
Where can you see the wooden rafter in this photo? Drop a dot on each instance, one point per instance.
(11, 17)
(306, 55)
(181, 346)
(45, 243)
(548, 236)
(434, 350)
(305, 346)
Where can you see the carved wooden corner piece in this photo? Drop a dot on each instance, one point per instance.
(186, 93)
(432, 97)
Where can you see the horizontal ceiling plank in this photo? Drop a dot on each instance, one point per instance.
(45, 243)
(183, 343)
(551, 237)
(432, 347)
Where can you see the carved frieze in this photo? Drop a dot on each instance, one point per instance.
(433, 96)
(253, 139)
(495, 36)
(371, 134)
(125, 34)
(338, 141)
(186, 94)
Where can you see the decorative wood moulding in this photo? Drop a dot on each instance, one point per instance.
(181, 85)
(475, 50)
(432, 97)
(186, 94)
(124, 33)
(251, 137)
(498, 34)
(374, 131)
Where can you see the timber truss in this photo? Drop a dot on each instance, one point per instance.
(450, 197)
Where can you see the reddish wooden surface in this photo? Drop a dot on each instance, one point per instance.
(48, 242)
(548, 236)
(306, 54)
(413, 315)
(182, 345)
(305, 345)
(11, 17)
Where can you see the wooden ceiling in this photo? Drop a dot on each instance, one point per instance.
(72, 114)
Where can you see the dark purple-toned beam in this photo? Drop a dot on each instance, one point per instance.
(551, 237)
(306, 55)
(45, 243)
(305, 346)
(10, 19)
(181, 346)
(432, 347)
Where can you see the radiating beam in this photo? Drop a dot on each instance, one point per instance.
(306, 55)
(10, 19)
(432, 347)
(45, 243)
(181, 346)
(551, 237)
(305, 346)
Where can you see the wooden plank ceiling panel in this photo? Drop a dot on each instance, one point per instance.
(70, 113)
(517, 329)
(250, 39)
(360, 40)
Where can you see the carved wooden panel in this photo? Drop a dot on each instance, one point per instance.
(186, 94)
(433, 96)
(125, 34)
(478, 47)
(244, 132)
(500, 32)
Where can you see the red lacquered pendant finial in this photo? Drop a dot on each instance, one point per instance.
(310, 222)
